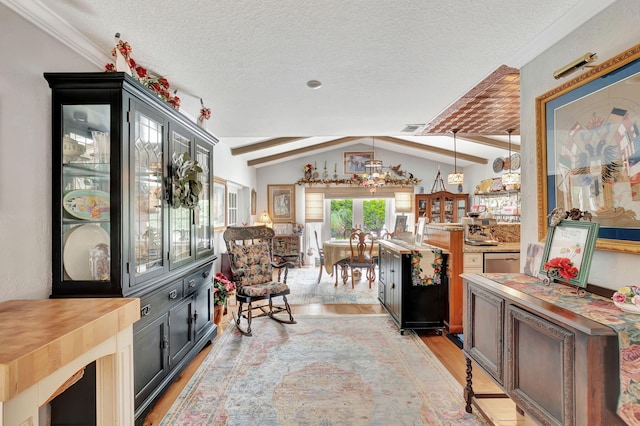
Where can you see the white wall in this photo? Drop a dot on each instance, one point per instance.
(291, 171)
(25, 154)
(609, 33)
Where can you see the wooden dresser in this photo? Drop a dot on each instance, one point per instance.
(558, 367)
(288, 248)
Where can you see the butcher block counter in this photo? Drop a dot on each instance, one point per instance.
(45, 343)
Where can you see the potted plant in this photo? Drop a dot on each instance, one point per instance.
(222, 288)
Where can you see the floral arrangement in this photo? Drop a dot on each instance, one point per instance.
(157, 84)
(222, 286)
(629, 295)
(307, 168)
(561, 267)
(417, 278)
(205, 113)
(298, 228)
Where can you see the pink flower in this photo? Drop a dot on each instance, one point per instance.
(619, 297)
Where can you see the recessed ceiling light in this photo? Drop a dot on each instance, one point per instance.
(314, 84)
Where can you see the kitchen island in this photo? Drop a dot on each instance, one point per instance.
(412, 284)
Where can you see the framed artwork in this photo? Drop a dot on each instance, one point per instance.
(354, 161)
(534, 259)
(282, 203)
(588, 150)
(571, 241)
(219, 204)
(420, 230)
(401, 225)
(253, 201)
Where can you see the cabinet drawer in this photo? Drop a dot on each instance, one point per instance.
(194, 281)
(158, 302)
(472, 260)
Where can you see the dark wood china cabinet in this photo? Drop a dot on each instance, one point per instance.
(119, 229)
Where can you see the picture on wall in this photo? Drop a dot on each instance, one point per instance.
(354, 161)
(282, 203)
(588, 150)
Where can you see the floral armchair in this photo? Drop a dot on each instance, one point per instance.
(250, 255)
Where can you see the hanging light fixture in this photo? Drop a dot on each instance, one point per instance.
(510, 178)
(455, 178)
(374, 178)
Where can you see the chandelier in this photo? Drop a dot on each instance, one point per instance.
(455, 178)
(374, 177)
(510, 178)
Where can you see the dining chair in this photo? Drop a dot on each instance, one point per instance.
(361, 245)
(321, 254)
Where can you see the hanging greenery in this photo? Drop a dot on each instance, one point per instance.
(185, 184)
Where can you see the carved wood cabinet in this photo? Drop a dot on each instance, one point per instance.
(558, 367)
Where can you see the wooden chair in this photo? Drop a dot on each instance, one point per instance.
(321, 254)
(361, 244)
(250, 250)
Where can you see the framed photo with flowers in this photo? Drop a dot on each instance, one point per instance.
(568, 251)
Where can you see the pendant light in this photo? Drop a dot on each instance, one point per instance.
(510, 178)
(374, 177)
(455, 178)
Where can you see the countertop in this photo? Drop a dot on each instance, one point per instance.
(500, 248)
(41, 336)
(404, 247)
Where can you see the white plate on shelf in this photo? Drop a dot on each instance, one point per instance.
(79, 241)
(628, 307)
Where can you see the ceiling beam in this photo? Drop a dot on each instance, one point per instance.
(495, 143)
(433, 149)
(269, 143)
(306, 150)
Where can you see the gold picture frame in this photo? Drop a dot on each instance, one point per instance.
(588, 150)
(354, 161)
(282, 203)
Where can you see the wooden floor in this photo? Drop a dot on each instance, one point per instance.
(497, 411)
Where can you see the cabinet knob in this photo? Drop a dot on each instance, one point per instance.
(192, 283)
(173, 294)
(205, 274)
(145, 310)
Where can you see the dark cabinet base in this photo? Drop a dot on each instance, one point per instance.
(414, 307)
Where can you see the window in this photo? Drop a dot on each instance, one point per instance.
(370, 215)
(232, 205)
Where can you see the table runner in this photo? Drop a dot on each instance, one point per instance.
(603, 311)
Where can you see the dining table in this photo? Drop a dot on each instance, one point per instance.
(336, 250)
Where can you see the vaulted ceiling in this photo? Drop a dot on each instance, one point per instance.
(383, 65)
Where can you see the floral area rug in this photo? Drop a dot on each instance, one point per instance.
(324, 370)
(305, 290)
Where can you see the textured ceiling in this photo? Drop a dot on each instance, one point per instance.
(383, 63)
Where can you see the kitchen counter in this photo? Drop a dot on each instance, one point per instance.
(500, 248)
(48, 342)
(404, 247)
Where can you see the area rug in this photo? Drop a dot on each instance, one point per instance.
(305, 290)
(324, 370)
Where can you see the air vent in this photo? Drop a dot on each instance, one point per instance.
(412, 128)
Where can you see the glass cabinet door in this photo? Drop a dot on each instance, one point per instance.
(203, 214)
(180, 218)
(148, 192)
(86, 203)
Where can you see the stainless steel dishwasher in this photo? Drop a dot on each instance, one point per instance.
(501, 262)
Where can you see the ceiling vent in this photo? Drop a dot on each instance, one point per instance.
(412, 128)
